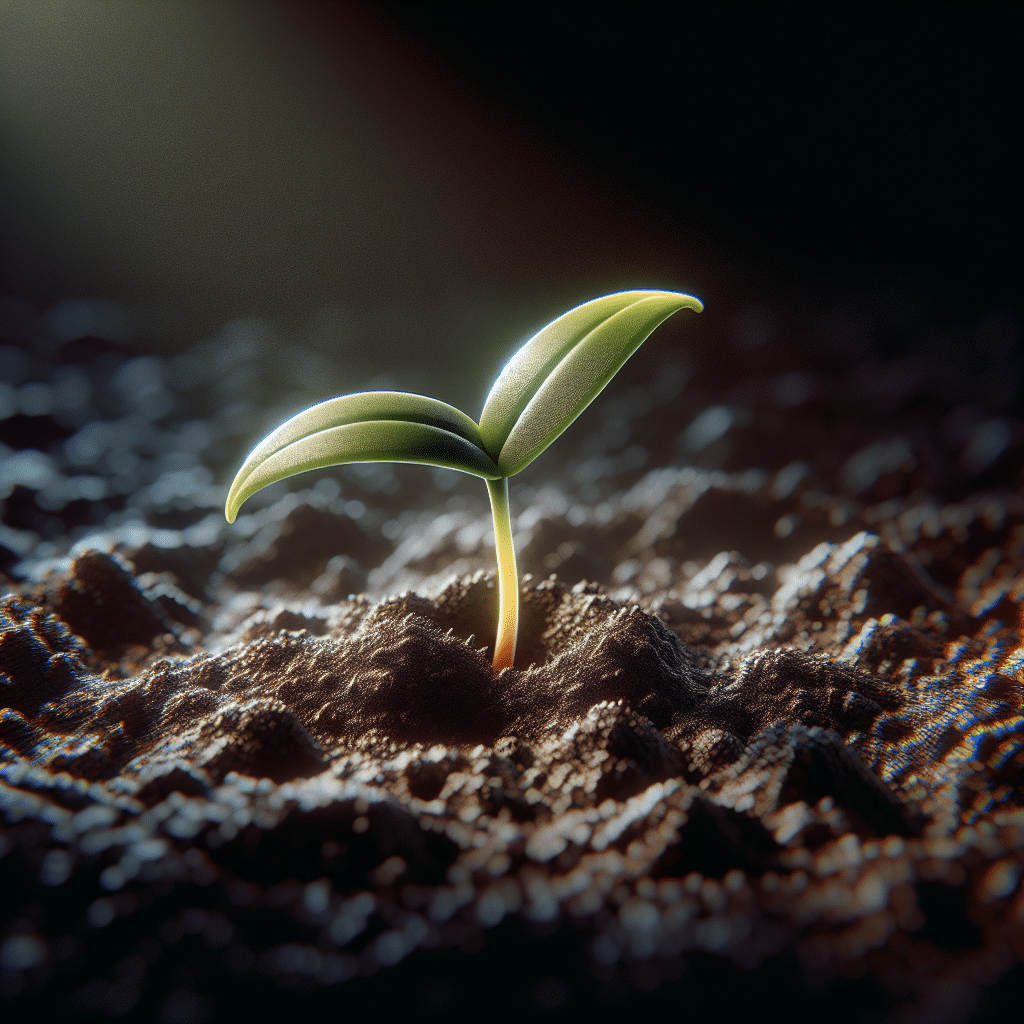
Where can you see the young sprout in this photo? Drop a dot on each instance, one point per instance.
(541, 390)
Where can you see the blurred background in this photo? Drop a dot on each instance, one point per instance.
(407, 174)
(218, 212)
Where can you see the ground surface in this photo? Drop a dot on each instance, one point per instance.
(762, 743)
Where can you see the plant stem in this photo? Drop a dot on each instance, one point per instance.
(508, 576)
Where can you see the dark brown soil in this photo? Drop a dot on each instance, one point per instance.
(772, 755)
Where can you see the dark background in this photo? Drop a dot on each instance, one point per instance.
(219, 213)
(447, 174)
(870, 141)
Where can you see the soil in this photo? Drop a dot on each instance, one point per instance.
(762, 744)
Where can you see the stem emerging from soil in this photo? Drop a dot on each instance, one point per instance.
(508, 576)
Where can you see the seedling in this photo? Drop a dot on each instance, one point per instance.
(540, 391)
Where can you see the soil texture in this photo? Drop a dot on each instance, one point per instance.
(763, 741)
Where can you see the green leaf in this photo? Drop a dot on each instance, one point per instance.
(372, 426)
(564, 367)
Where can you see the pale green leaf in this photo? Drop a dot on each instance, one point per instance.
(560, 371)
(373, 426)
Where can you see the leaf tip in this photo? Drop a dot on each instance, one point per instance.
(682, 300)
(234, 501)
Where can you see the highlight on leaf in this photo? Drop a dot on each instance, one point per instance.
(538, 394)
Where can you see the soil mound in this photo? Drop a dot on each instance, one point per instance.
(366, 785)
